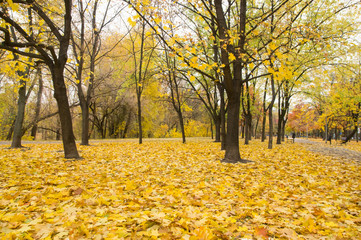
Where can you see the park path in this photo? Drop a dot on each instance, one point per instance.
(326, 149)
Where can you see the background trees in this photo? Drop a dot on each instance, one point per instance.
(167, 69)
(90, 24)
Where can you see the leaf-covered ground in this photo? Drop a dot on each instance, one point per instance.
(170, 190)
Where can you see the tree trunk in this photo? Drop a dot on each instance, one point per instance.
(217, 125)
(124, 134)
(279, 130)
(57, 134)
(280, 118)
(105, 128)
(140, 120)
(349, 136)
(270, 108)
(247, 113)
(181, 123)
(38, 104)
(223, 119)
(231, 83)
(248, 128)
(356, 135)
(11, 130)
(283, 129)
(246, 134)
(270, 114)
(264, 116)
(84, 123)
(212, 128)
(256, 127)
(61, 97)
(232, 138)
(264, 120)
(16, 142)
(243, 129)
(270, 130)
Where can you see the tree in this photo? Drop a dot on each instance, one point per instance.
(38, 102)
(53, 52)
(22, 73)
(173, 81)
(86, 51)
(142, 47)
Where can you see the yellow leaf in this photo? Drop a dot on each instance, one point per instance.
(18, 218)
(231, 57)
(157, 20)
(203, 233)
(131, 22)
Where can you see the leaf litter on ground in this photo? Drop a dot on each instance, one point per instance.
(170, 190)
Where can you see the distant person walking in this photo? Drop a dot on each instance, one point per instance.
(293, 136)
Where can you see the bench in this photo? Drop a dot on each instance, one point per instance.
(289, 140)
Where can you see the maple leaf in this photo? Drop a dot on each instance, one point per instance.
(261, 232)
(76, 191)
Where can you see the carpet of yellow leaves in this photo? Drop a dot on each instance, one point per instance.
(354, 146)
(170, 190)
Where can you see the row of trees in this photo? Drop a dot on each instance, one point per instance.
(335, 106)
(240, 59)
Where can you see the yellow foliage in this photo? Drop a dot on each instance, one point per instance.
(161, 131)
(231, 57)
(196, 129)
(173, 133)
(131, 22)
(169, 190)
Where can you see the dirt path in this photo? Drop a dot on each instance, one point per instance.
(334, 151)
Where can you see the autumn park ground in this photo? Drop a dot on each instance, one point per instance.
(169, 190)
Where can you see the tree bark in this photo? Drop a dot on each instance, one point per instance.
(16, 141)
(61, 97)
(270, 130)
(223, 119)
(280, 118)
(84, 122)
(256, 127)
(11, 130)
(181, 123)
(232, 137)
(212, 136)
(270, 115)
(264, 115)
(34, 129)
(217, 124)
(283, 129)
(248, 115)
(140, 119)
(248, 128)
(279, 130)
(124, 134)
